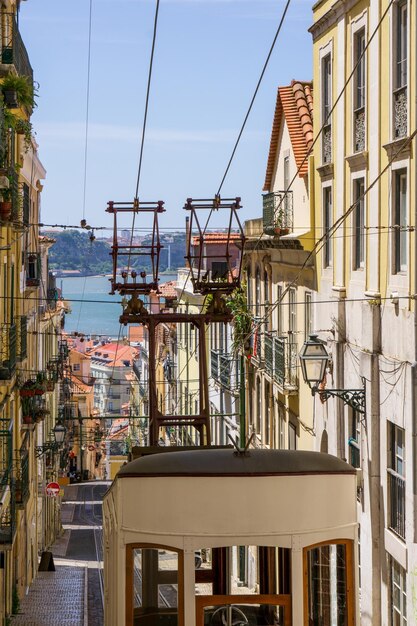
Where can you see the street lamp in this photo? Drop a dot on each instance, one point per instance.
(59, 432)
(314, 359)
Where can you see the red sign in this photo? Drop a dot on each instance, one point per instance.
(52, 490)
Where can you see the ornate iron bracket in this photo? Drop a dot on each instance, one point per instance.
(46, 447)
(356, 398)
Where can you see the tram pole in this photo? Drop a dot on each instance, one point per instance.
(242, 403)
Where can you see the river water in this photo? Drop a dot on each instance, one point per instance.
(93, 310)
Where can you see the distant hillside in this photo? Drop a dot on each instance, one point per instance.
(74, 251)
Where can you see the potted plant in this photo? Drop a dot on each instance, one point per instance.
(18, 91)
(24, 127)
(6, 202)
(28, 389)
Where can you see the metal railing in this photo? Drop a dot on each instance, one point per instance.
(224, 369)
(8, 339)
(396, 504)
(280, 360)
(13, 50)
(22, 339)
(7, 508)
(278, 212)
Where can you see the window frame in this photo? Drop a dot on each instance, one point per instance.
(358, 224)
(399, 238)
(327, 216)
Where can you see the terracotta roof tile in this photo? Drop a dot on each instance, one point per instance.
(295, 103)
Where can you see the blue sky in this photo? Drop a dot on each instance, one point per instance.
(208, 58)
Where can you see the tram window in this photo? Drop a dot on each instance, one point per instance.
(328, 572)
(155, 587)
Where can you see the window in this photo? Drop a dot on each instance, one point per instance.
(399, 219)
(76, 367)
(279, 310)
(308, 315)
(249, 288)
(258, 293)
(292, 320)
(359, 224)
(354, 439)
(258, 406)
(267, 412)
(327, 223)
(400, 47)
(326, 95)
(396, 479)
(398, 595)
(359, 95)
(292, 436)
(329, 581)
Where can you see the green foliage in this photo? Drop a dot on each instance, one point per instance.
(23, 86)
(237, 303)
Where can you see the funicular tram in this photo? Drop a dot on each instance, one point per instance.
(222, 536)
(294, 511)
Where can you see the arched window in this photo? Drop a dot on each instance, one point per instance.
(258, 293)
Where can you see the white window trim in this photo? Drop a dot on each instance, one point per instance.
(359, 272)
(358, 24)
(329, 267)
(393, 46)
(323, 52)
(398, 280)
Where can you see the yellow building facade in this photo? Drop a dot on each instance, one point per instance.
(30, 321)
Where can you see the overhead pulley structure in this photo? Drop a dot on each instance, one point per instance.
(216, 273)
(125, 278)
(212, 256)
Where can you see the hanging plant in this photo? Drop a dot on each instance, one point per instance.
(18, 91)
(237, 304)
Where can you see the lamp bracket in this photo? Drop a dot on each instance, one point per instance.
(356, 398)
(46, 447)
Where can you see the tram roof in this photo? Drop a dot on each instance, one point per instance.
(227, 462)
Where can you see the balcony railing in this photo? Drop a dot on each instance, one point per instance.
(224, 369)
(22, 339)
(400, 113)
(7, 508)
(13, 50)
(396, 491)
(8, 339)
(278, 212)
(280, 359)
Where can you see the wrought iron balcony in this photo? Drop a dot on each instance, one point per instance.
(22, 338)
(224, 369)
(400, 113)
(7, 505)
(396, 504)
(8, 345)
(13, 50)
(280, 360)
(278, 212)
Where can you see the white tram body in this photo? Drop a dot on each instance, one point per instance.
(214, 537)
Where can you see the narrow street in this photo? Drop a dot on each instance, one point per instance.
(74, 591)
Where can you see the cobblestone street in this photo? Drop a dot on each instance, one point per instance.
(72, 595)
